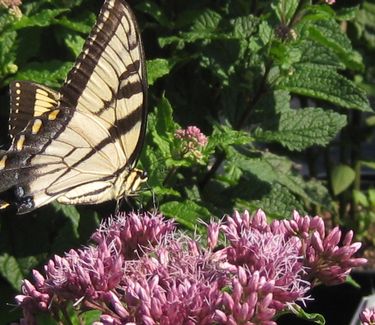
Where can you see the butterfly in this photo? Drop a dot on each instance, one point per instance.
(80, 145)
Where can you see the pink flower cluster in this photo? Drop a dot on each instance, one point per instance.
(142, 271)
(192, 141)
(367, 316)
(192, 134)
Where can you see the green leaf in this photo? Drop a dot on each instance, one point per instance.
(244, 27)
(316, 53)
(11, 270)
(204, 27)
(365, 23)
(347, 13)
(342, 177)
(285, 10)
(74, 42)
(277, 204)
(91, 316)
(207, 22)
(8, 48)
(360, 198)
(272, 169)
(84, 26)
(300, 129)
(186, 213)
(157, 68)
(329, 34)
(368, 163)
(224, 136)
(326, 84)
(71, 213)
(51, 73)
(162, 126)
(42, 19)
(312, 317)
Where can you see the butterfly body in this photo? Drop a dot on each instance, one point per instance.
(80, 145)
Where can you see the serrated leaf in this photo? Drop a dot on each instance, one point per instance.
(285, 10)
(50, 73)
(245, 26)
(186, 213)
(156, 69)
(329, 34)
(342, 176)
(10, 270)
(265, 32)
(300, 129)
(207, 22)
(224, 136)
(315, 53)
(74, 42)
(43, 18)
(162, 126)
(326, 84)
(347, 13)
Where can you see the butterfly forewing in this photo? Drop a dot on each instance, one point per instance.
(95, 127)
(28, 100)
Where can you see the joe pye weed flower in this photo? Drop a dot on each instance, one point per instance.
(141, 270)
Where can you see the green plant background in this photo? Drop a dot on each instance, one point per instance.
(280, 88)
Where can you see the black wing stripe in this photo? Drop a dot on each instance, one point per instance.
(94, 46)
(92, 193)
(129, 90)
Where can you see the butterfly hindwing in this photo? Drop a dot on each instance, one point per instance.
(82, 148)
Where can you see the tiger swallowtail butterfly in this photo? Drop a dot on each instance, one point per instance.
(80, 145)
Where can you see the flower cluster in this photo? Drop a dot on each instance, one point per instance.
(142, 271)
(367, 316)
(193, 140)
(13, 6)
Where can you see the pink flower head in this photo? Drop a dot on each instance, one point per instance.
(192, 134)
(141, 270)
(367, 316)
(192, 141)
(330, 2)
(13, 6)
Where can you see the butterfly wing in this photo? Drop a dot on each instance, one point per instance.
(84, 150)
(28, 100)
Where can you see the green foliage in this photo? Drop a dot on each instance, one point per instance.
(279, 88)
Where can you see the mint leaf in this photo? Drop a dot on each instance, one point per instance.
(44, 18)
(285, 10)
(186, 213)
(326, 84)
(329, 34)
(157, 68)
(300, 129)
